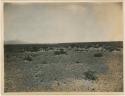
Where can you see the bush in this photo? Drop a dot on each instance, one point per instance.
(44, 62)
(90, 75)
(98, 55)
(110, 48)
(77, 61)
(60, 52)
(117, 49)
(34, 49)
(56, 52)
(28, 58)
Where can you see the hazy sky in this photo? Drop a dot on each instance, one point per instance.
(63, 22)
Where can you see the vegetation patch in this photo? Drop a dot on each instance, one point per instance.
(98, 55)
(90, 75)
(44, 62)
(28, 58)
(34, 49)
(61, 51)
(77, 61)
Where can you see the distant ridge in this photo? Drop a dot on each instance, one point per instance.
(16, 42)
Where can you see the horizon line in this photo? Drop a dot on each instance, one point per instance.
(63, 42)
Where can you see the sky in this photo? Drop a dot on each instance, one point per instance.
(63, 22)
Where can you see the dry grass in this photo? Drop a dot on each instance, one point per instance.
(64, 72)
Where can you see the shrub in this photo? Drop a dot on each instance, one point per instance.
(98, 55)
(117, 49)
(56, 52)
(110, 48)
(90, 75)
(28, 58)
(44, 62)
(77, 61)
(61, 51)
(96, 46)
(34, 49)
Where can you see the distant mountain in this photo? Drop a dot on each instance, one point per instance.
(15, 42)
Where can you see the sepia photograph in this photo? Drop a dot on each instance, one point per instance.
(63, 47)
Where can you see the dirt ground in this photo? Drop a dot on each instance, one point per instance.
(91, 70)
